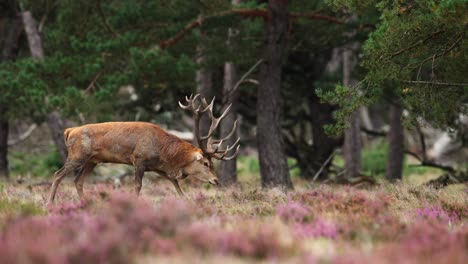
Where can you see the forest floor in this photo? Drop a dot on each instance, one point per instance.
(401, 223)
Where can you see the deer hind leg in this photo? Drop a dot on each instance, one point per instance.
(139, 172)
(59, 175)
(81, 176)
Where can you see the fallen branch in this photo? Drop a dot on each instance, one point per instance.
(323, 166)
(374, 132)
(447, 179)
(428, 163)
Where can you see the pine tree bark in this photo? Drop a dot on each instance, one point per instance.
(55, 122)
(204, 80)
(394, 170)
(3, 143)
(352, 134)
(352, 147)
(273, 163)
(228, 169)
(10, 31)
(56, 126)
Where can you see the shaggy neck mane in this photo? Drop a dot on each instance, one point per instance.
(176, 151)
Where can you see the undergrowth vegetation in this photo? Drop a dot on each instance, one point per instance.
(320, 224)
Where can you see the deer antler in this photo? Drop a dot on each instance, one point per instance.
(204, 107)
(191, 106)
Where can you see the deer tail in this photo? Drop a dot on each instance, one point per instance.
(66, 134)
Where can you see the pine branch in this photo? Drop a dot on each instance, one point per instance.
(249, 13)
(437, 55)
(420, 42)
(437, 83)
(181, 34)
(317, 16)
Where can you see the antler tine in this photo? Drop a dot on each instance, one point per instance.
(215, 122)
(183, 106)
(225, 151)
(223, 156)
(191, 104)
(217, 147)
(225, 112)
(208, 106)
(233, 130)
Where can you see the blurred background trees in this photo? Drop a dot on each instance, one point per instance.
(390, 75)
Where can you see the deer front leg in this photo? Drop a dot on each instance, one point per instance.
(176, 185)
(174, 181)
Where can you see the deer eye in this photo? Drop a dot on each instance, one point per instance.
(206, 164)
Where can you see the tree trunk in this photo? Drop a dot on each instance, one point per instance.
(323, 144)
(205, 88)
(352, 135)
(273, 163)
(3, 143)
(228, 170)
(352, 147)
(56, 126)
(10, 31)
(54, 121)
(395, 144)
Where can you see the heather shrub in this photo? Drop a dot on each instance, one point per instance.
(424, 242)
(119, 228)
(318, 228)
(294, 212)
(248, 239)
(304, 224)
(325, 224)
(67, 208)
(437, 213)
(351, 212)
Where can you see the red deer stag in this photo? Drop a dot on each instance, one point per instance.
(147, 147)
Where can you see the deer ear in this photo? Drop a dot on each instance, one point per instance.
(198, 156)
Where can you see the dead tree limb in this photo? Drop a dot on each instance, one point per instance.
(23, 136)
